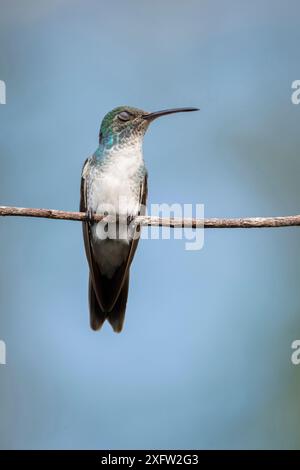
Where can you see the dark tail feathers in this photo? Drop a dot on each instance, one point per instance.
(115, 316)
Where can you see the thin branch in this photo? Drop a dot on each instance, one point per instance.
(251, 222)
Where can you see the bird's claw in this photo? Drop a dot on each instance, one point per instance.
(130, 219)
(90, 216)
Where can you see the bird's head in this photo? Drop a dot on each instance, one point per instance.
(126, 123)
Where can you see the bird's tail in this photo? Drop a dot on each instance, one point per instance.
(115, 316)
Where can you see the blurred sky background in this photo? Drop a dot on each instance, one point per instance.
(204, 358)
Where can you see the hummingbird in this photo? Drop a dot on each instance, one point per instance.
(114, 184)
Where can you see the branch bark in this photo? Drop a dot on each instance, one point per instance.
(249, 222)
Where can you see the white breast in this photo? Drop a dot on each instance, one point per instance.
(114, 187)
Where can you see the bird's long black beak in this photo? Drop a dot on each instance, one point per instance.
(164, 112)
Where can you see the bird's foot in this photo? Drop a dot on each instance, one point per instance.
(90, 216)
(130, 219)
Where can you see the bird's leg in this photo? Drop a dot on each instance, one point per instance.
(130, 219)
(90, 216)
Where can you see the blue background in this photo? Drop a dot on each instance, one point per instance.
(204, 359)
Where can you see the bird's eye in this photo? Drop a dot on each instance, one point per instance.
(124, 116)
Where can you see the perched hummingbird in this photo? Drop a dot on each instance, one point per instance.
(114, 181)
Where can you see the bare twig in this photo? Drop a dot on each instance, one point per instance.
(251, 222)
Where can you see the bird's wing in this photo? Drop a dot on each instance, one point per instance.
(107, 290)
(95, 274)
